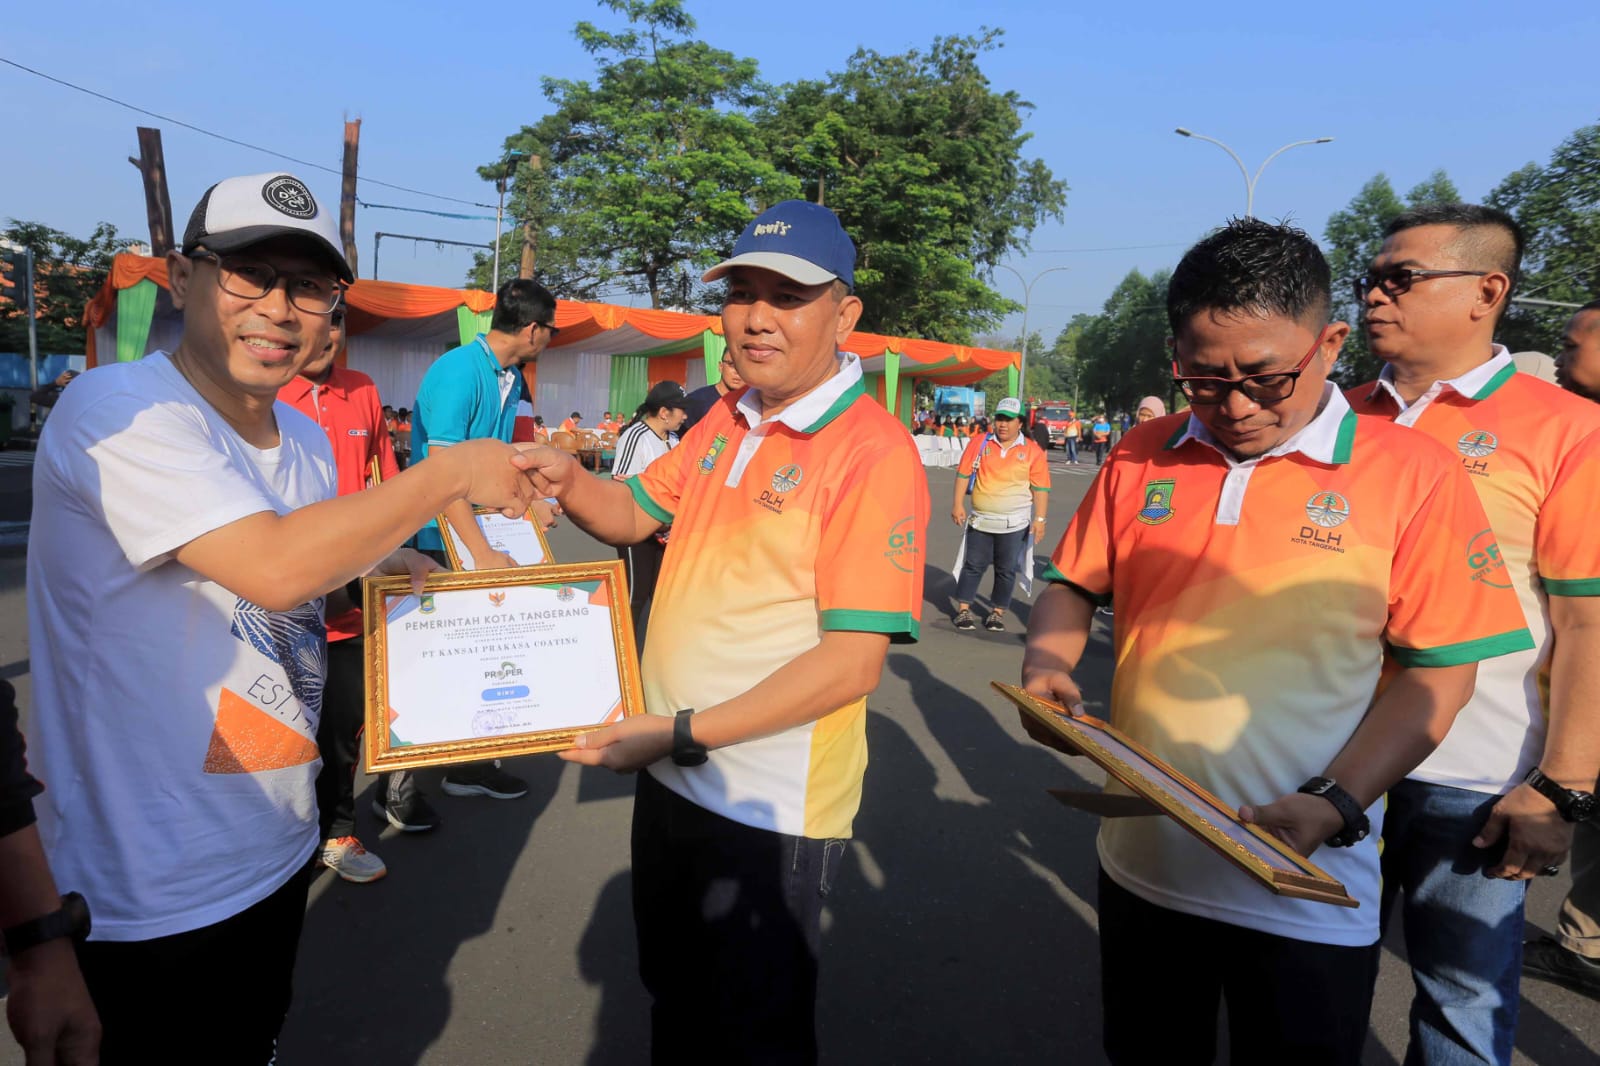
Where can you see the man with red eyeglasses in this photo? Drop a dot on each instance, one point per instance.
(1271, 555)
(1495, 805)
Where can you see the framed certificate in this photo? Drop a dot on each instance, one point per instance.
(521, 538)
(1249, 847)
(496, 663)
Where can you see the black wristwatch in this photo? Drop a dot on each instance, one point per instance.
(1571, 804)
(71, 920)
(1356, 825)
(685, 751)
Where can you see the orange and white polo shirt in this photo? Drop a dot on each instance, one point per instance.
(1532, 452)
(782, 528)
(1008, 476)
(1255, 603)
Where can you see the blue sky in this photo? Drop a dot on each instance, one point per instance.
(1476, 88)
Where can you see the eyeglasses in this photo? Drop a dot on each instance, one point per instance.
(251, 279)
(1263, 389)
(551, 326)
(1399, 281)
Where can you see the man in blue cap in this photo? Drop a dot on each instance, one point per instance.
(798, 507)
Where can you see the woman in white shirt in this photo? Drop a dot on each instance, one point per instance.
(652, 433)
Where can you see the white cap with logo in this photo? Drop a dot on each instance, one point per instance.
(1010, 407)
(238, 212)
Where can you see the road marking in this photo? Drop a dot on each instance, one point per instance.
(16, 458)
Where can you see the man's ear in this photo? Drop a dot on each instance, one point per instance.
(849, 314)
(180, 271)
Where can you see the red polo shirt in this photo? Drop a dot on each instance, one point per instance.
(347, 407)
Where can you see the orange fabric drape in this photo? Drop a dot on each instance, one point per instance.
(667, 368)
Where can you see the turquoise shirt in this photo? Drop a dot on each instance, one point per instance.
(459, 400)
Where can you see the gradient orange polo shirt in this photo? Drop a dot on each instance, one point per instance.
(1255, 603)
(1008, 475)
(781, 528)
(1532, 452)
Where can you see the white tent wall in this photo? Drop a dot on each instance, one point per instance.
(572, 381)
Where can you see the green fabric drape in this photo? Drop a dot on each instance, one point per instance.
(1011, 381)
(469, 323)
(906, 401)
(630, 381)
(136, 308)
(891, 379)
(714, 347)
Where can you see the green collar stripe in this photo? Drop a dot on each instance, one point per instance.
(850, 396)
(1183, 427)
(1506, 373)
(1346, 440)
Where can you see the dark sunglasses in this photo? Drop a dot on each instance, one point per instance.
(551, 326)
(1399, 281)
(1263, 389)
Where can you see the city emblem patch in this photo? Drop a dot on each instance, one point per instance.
(1157, 502)
(1328, 509)
(1477, 443)
(709, 461)
(787, 479)
(427, 603)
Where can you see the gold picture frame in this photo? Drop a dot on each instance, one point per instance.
(495, 663)
(1249, 847)
(492, 523)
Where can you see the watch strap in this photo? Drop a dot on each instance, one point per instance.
(1356, 823)
(685, 750)
(71, 919)
(1573, 805)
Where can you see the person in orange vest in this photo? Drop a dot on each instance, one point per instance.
(1072, 434)
(570, 425)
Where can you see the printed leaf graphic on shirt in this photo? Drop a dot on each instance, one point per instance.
(248, 740)
(295, 640)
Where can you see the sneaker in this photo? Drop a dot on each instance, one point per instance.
(347, 858)
(965, 619)
(1547, 959)
(414, 815)
(483, 779)
(995, 623)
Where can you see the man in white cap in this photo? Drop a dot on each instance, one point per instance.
(1008, 477)
(798, 508)
(185, 538)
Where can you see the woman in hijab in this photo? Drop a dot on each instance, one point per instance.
(1150, 408)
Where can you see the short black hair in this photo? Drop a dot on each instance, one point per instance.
(519, 303)
(1489, 237)
(1254, 268)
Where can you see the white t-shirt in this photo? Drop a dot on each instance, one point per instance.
(638, 447)
(174, 723)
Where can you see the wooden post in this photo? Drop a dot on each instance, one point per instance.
(347, 194)
(157, 203)
(530, 233)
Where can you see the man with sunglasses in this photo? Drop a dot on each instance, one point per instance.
(472, 392)
(186, 534)
(1495, 805)
(1265, 551)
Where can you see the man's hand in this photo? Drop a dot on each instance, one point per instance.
(545, 513)
(49, 1009)
(493, 474)
(1058, 687)
(1302, 821)
(406, 561)
(493, 560)
(958, 514)
(1534, 832)
(552, 470)
(627, 746)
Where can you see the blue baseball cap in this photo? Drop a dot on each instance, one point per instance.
(802, 241)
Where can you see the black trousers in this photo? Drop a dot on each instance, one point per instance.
(215, 996)
(729, 921)
(643, 561)
(1163, 973)
(339, 738)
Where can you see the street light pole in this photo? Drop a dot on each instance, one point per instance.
(506, 165)
(1249, 182)
(1027, 298)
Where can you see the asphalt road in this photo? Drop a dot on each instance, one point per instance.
(962, 929)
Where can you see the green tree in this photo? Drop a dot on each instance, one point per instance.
(1352, 238)
(1123, 353)
(69, 270)
(922, 160)
(645, 176)
(1558, 206)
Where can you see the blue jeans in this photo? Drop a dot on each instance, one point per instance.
(1000, 550)
(1463, 930)
(1072, 449)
